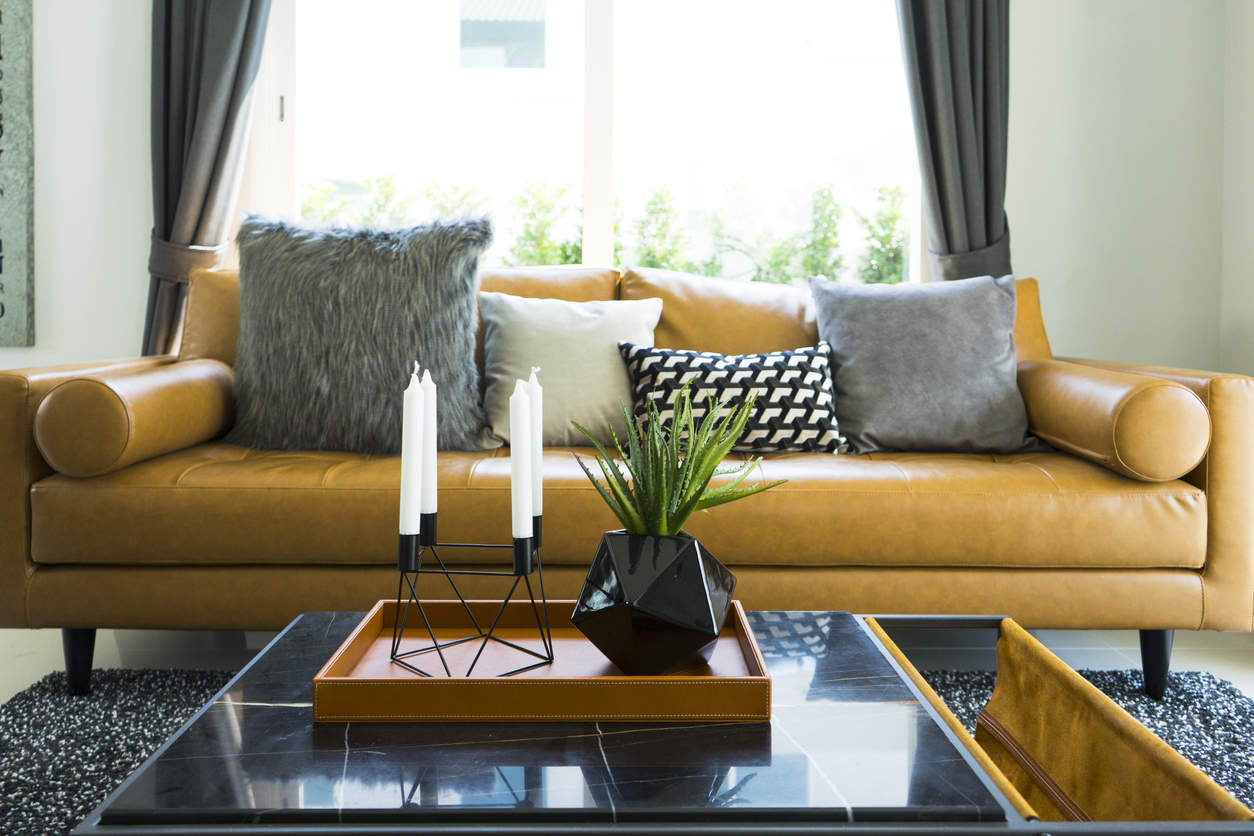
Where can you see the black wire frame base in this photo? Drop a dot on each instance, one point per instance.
(410, 580)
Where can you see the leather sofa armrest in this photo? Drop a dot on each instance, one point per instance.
(1146, 428)
(1227, 476)
(21, 465)
(92, 425)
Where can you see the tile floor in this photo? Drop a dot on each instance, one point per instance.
(27, 655)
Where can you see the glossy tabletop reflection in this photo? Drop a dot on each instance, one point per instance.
(848, 740)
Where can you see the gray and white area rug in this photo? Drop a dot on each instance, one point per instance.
(60, 755)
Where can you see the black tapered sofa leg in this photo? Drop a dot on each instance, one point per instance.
(79, 646)
(1156, 660)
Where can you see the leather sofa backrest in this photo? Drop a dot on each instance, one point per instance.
(211, 320)
(570, 282)
(698, 312)
(1031, 342)
(708, 314)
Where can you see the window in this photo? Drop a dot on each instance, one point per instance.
(767, 140)
(752, 141)
(412, 110)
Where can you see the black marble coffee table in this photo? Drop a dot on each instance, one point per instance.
(850, 740)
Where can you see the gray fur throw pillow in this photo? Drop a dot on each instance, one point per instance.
(331, 322)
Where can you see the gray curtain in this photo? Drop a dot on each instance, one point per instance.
(957, 69)
(205, 55)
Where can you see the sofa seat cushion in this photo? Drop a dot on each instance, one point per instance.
(958, 509)
(220, 504)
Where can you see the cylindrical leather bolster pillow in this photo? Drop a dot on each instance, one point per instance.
(1143, 427)
(89, 426)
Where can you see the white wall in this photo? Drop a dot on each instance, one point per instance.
(93, 181)
(1236, 344)
(1116, 165)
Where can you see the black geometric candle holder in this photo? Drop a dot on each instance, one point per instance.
(413, 552)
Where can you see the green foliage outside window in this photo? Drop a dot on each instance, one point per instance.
(385, 206)
(820, 255)
(773, 261)
(660, 241)
(454, 201)
(542, 208)
(382, 206)
(887, 236)
(318, 202)
(783, 261)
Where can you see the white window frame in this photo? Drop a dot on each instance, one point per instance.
(269, 183)
(598, 136)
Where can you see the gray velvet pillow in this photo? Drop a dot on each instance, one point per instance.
(925, 366)
(331, 322)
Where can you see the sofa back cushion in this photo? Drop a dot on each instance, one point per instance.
(700, 313)
(1031, 342)
(691, 305)
(570, 282)
(211, 319)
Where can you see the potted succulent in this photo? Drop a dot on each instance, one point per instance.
(655, 600)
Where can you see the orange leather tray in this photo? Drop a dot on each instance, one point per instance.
(360, 684)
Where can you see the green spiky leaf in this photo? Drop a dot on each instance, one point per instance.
(669, 468)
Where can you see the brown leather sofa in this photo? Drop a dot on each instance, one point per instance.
(133, 517)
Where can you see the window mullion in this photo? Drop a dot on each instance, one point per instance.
(598, 158)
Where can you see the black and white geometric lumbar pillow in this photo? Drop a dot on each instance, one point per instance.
(795, 406)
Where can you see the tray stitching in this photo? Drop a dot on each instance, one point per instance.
(320, 685)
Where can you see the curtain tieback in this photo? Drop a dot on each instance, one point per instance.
(993, 260)
(175, 262)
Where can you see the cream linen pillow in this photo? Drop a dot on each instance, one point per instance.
(575, 344)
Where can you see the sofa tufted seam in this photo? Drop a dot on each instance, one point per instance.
(1201, 583)
(1194, 494)
(28, 480)
(904, 475)
(327, 475)
(178, 483)
(1202, 575)
(1058, 490)
(470, 476)
(1027, 567)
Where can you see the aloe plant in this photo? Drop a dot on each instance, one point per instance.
(669, 468)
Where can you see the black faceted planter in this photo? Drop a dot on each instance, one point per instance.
(653, 604)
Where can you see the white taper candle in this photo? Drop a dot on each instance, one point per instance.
(520, 460)
(536, 396)
(429, 432)
(411, 456)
